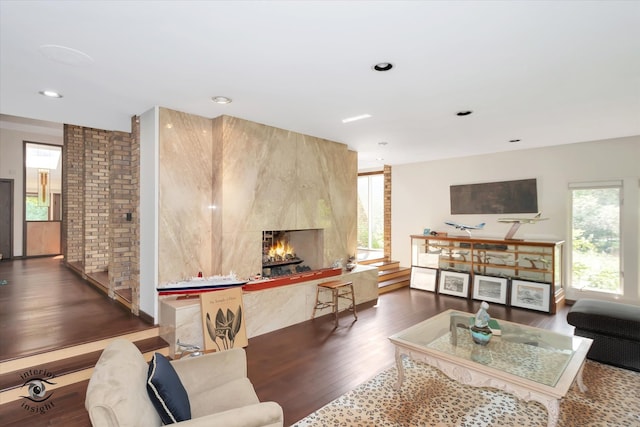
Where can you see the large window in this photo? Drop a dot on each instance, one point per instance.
(43, 182)
(371, 211)
(595, 237)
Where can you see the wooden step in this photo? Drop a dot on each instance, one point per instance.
(392, 273)
(22, 363)
(393, 284)
(78, 366)
(391, 277)
(371, 261)
(67, 410)
(385, 265)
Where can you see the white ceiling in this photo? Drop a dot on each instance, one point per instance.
(545, 72)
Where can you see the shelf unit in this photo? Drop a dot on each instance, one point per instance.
(531, 261)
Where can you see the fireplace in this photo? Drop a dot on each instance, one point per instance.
(286, 252)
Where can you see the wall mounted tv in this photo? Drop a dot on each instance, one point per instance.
(519, 196)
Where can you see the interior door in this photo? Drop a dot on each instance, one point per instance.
(6, 218)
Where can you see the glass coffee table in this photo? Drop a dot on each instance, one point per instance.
(530, 363)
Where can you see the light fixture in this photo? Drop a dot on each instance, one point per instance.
(383, 66)
(221, 99)
(464, 113)
(380, 159)
(50, 93)
(354, 118)
(65, 55)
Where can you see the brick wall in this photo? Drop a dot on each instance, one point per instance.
(121, 225)
(72, 189)
(101, 177)
(96, 200)
(387, 211)
(134, 237)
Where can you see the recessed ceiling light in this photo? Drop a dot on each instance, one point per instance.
(383, 66)
(50, 93)
(380, 159)
(464, 113)
(514, 140)
(221, 99)
(354, 118)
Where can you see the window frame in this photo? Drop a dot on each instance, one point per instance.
(596, 185)
(370, 176)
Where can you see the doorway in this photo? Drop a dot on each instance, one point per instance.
(42, 196)
(6, 219)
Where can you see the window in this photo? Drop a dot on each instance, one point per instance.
(595, 237)
(371, 211)
(43, 182)
(35, 212)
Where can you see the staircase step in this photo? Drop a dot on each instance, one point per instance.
(371, 261)
(385, 265)
(69, 370)
(393, 284)
(23, 363)
(392, 273)
(67, 410)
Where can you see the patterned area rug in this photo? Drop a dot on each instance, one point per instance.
(430, 398)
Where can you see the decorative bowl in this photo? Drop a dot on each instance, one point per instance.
(480, 335)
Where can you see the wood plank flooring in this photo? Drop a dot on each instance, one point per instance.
(46, 306)
(304, 366)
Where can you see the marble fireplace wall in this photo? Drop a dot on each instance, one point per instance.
(186, 188)
(274, 179)
(259, 178)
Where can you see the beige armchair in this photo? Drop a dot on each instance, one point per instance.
(220, 394)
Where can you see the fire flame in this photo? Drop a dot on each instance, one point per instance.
(280, 250)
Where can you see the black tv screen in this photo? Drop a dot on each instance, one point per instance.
(519, 196)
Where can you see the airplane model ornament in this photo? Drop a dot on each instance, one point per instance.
(517, 222)
(464, 227)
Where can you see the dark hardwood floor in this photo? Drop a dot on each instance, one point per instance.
(305, 366)
(46, 306)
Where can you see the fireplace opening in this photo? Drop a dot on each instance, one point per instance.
(286, 252)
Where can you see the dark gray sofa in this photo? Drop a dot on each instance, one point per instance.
(614, 328)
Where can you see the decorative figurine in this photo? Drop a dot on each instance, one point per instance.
(480, 331)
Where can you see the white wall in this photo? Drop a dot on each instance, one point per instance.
(420, 194)
(149, 161)
(12, 167)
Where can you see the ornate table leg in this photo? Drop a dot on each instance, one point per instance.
(583, 388)
(553, 408)
(400, 369)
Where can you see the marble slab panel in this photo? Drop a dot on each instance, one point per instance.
(266, 310)
(259, 182)
(259, 178)
(185, 196)
(274, 179)
(181, 320)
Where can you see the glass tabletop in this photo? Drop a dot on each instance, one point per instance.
(531, 353)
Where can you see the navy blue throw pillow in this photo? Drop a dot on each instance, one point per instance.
(166, 391)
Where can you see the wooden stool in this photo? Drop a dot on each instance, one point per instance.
(338, 290)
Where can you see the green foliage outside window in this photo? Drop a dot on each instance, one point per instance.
(371, 212)
(596, 239)
(35, 212)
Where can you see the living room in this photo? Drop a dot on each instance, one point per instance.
(557, 151)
